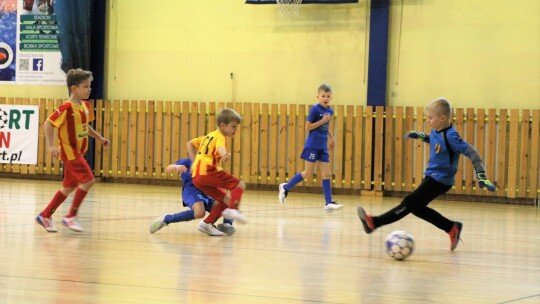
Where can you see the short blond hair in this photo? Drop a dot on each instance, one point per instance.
(324, 88)
(440, 106)
(227, 116)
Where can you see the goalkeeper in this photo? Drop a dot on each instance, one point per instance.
(445, 146)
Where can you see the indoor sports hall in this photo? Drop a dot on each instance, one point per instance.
(163, 70)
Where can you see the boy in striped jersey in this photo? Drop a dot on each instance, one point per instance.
(72, 120)
(208, 176)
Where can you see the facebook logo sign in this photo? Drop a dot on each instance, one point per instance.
(37, 64)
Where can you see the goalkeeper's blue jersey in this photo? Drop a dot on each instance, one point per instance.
(445, 147)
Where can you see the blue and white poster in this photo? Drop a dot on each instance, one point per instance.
(29, 52)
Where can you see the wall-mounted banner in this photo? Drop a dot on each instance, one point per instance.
(19, 130)
(29, 52)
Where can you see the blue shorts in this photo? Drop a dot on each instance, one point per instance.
(191, 195)
(313, 155)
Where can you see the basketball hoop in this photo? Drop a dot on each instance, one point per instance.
(288, 7)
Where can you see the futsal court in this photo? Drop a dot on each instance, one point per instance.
(286, 254)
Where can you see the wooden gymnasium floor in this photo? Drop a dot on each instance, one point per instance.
(296, 254)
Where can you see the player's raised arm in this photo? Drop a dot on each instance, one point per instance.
(417, 135)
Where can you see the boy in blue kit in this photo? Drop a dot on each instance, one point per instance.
(316, 149)
(198, 203)
(445, 147)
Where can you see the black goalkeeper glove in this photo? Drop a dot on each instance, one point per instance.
(484, 182)
(416, 135)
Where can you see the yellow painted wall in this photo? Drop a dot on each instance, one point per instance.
(482, 53)
(187, 51)
(28, 91)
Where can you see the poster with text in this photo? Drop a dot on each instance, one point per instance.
(19, 130)
(29, 43)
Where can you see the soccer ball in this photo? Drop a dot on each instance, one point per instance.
(399, 245)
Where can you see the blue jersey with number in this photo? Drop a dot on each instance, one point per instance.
(445, 147)
(318, 137)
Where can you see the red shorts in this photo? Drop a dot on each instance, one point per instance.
(213, 183)
(76, 171)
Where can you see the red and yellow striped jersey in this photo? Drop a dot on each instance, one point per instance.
(72, 123)
(207, 158)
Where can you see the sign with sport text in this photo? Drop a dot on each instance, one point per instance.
(19, 130)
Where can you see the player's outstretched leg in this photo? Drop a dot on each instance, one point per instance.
(454, 235)
(158, 223)
(366, 219)
(184, 216)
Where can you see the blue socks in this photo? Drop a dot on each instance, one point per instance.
(183, 216)
(327, 190)
(326, 186)
(294, 180)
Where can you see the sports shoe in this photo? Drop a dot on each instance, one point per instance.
(331, 207)
(282, 193)
(209, 229)
(72, 223)
(226, 228)
(233, 214)
(454, 235)
(366, 219)
(158, 223)
(46, 222)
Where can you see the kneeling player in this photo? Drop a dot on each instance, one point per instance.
(198, 203)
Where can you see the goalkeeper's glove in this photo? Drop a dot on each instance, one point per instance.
(484, 182)
(416, 135)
